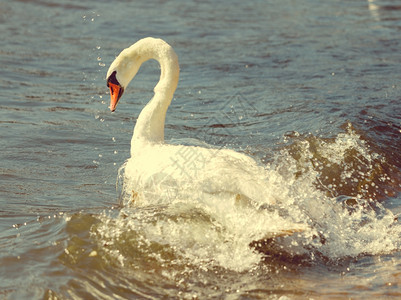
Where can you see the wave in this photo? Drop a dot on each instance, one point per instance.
(335, 187)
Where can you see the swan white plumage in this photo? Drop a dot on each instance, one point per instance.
(158, 168)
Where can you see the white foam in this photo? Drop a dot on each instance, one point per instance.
(213, 230)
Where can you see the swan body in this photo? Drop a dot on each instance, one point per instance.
(158, 171)
(157, 168)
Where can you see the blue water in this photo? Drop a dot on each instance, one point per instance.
(309, 89)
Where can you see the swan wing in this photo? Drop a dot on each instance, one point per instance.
(212, 171)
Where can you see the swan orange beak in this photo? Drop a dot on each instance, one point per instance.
(116, 91)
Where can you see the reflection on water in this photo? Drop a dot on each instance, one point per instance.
(310, 91)
(383, 9)
(374, 9)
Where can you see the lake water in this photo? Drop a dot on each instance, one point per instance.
(310, 89)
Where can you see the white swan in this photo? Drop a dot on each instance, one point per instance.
(164, 170)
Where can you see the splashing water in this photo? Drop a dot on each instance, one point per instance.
(336, 185)
(330, 187)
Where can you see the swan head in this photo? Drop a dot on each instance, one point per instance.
(122, 70)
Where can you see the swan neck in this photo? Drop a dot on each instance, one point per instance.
(150, 124)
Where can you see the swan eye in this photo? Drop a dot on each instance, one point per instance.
(113, 79)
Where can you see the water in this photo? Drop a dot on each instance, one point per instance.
(311, 90)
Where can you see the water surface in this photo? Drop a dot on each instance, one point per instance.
(311, 90)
